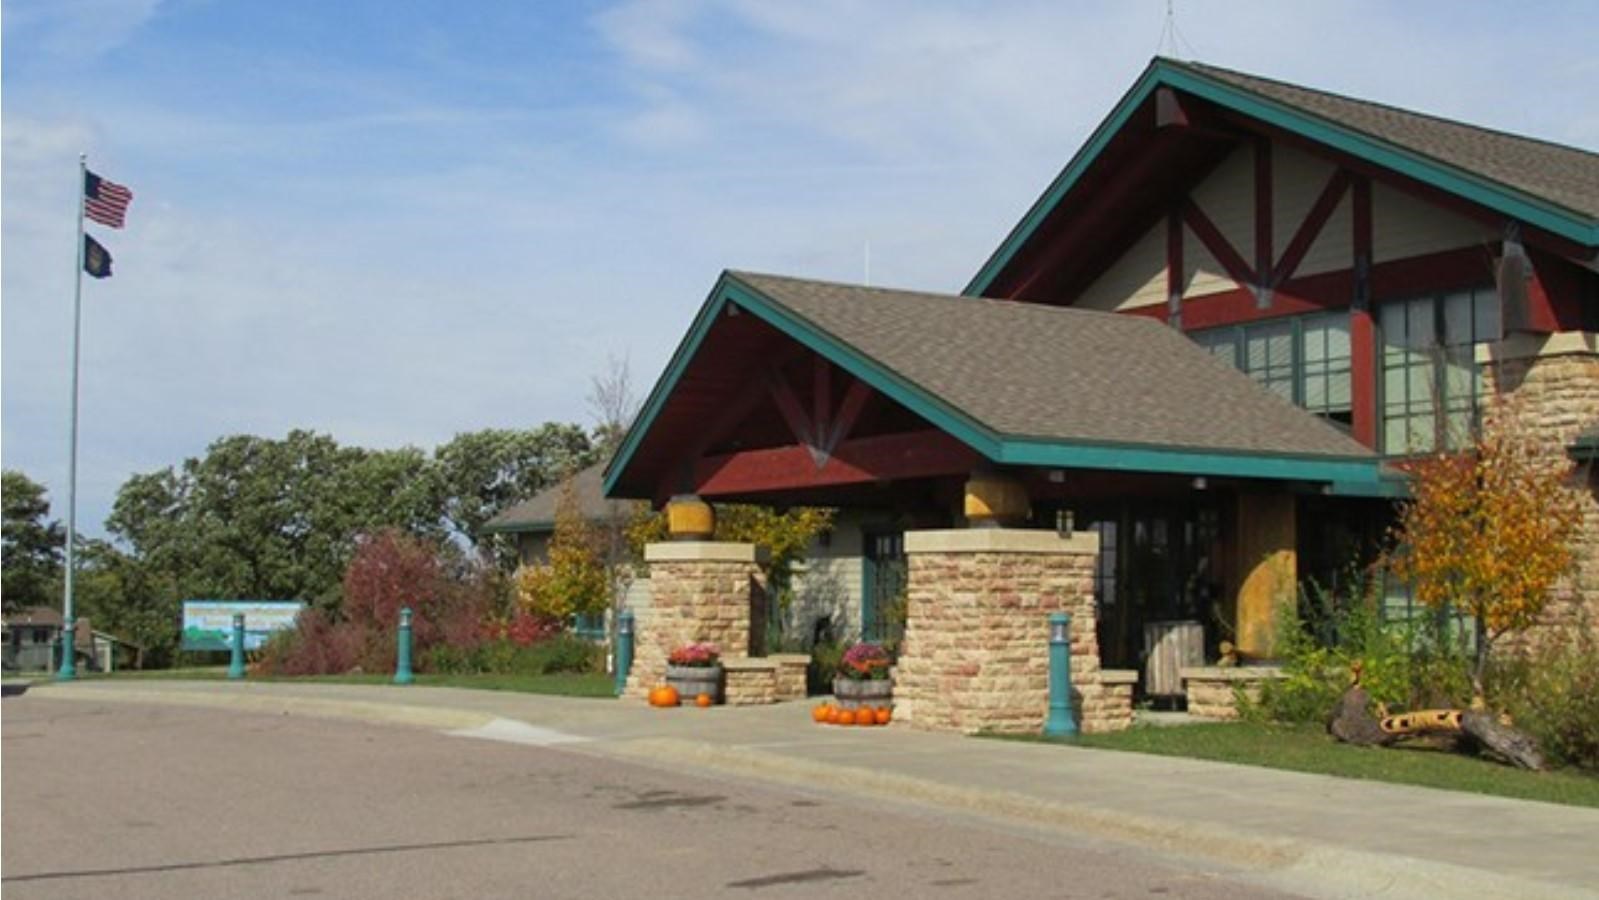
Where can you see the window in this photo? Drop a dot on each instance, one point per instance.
(1431, 386)
(1304, 359)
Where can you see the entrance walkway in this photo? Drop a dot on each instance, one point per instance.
(1316, 835)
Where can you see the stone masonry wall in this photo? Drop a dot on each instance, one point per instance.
(976, 650)
(700, 591)
(1558, 394)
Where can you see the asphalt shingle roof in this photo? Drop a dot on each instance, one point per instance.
(537, 513)
(1061, 374)
(1567, 177)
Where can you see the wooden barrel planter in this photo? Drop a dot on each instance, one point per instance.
(692, 681)
(854, 693)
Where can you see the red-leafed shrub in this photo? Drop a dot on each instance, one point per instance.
(390, 571)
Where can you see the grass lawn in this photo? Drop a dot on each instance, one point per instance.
(1308, 748)
(592, 685)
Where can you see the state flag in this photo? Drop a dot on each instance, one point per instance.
(96, 259)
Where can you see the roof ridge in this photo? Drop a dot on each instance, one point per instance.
(1206, 68)
(964, 300)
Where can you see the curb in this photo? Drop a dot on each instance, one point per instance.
(1290, 864)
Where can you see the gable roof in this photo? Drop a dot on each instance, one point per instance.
(1548, 185)
(537, 513)
(1035, 385)
(1567, 177)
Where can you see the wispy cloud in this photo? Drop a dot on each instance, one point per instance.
(435, 228)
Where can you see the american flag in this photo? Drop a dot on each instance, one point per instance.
(105, 201)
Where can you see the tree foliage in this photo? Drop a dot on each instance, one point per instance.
(483, 472)
(32, 546)
(785, 535)
(575, 578)
(271, 519)
(1488, 531)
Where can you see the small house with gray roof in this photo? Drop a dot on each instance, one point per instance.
(1172, 394)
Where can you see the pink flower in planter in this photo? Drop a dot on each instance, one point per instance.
(865, 662)
(698, 655)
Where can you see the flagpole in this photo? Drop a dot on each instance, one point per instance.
(68, 669)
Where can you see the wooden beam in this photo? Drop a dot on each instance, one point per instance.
(789, 405)
(1310, 229)
(1169, 111)
(1263, 219)
(1362, 324)
(891, 457)
(1174, 268)
(1214, 241)
(821, 399)
(855, 399)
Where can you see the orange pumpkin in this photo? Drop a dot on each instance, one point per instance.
(884, 715)
(664, 696)
(832, 715)
(819, 713)
(846, 717)
(702, 701)
(863, 716)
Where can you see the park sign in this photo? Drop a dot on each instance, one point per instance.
(208, 624)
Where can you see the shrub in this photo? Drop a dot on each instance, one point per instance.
(390, 570)
(825, 658)
(1407, 665)
(560, 654)
(1553, 694)
(865, 662)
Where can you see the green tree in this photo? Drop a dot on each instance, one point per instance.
(272, 519)
(483, 472)
(32, 547)
(130, 599)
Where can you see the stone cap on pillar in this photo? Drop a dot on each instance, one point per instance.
(703, 551)
(1000, 540)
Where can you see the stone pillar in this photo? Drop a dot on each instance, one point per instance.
(1267, 567)
(976, 651)
(700, 591)
(1554, 380)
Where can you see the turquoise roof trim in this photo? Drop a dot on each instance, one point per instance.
(1004, 449)
(1161, 72)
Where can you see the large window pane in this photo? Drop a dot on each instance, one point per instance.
(1431, 384)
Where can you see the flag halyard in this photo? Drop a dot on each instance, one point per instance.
(105, 201)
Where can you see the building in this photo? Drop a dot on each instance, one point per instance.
(844, 588)
(32, 643)
(1175, 387)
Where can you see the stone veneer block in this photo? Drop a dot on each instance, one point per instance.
(750, 681)
(1116, 693)
(976, 650)
(1213, 691)
(791, 674)
(700, 591)
(1555, 379)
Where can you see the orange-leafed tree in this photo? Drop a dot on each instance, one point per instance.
(574, 579)
(1487, 531)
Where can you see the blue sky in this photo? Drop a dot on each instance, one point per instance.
(397, 221)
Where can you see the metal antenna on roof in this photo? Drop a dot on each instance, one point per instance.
(1172, 39)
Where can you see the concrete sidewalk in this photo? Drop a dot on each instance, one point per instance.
(1314, 835)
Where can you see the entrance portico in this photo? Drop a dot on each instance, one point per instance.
(1047, 423)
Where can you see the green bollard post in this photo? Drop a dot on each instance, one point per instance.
(68, 669)
(1061, 723)
(236, 663)
(624, 650)
(402, 662)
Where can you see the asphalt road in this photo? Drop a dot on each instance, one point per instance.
(162, 802)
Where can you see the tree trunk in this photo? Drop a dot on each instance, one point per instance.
(1517, 746)
(1353, 723)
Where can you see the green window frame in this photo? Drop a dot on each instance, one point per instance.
(1306, 359)
(1431, 386)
